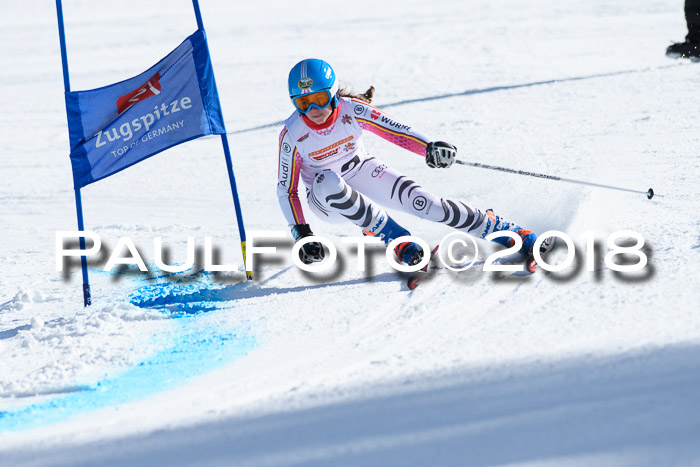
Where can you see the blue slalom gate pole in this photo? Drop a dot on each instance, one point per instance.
(236, 202)
(229, 164)
(87, 298)
(198, 15)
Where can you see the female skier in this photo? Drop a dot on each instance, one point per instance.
(321, 143)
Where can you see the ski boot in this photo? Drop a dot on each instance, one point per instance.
(387, 229)
(499, 225)
(687, 49)
(527, 236)
(409, 253)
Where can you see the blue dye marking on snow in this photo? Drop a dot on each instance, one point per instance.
(192, 352)
(185, 295)
(182, 297)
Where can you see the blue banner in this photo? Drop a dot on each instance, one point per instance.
(116, 126)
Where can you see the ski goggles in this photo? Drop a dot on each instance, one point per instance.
(319, 100)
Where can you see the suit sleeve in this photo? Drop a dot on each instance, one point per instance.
(288, 180)
(375, 121)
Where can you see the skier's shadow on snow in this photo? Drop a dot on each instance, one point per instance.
(371, 256)
(284, 251)
(187, 301)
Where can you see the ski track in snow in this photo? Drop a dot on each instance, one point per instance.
(350, 368)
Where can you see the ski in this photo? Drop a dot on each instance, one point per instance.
(416, 277)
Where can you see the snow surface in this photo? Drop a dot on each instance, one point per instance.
(350, 368)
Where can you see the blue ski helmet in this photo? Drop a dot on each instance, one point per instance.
(311, 76)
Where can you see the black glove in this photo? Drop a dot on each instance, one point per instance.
(440, 154)
(311, 252)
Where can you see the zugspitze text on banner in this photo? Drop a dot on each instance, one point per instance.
(116, 126)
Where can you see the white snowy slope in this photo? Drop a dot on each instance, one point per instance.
(352, 368)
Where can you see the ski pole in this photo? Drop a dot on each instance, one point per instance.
(649, 193)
